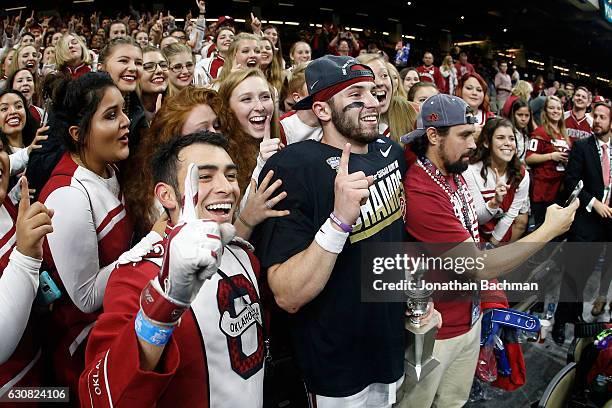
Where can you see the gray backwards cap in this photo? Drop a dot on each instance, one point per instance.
(440, 110)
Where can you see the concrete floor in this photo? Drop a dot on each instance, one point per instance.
(542, 361)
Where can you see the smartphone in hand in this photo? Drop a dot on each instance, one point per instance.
(575, 193)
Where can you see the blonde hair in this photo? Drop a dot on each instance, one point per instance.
(62, 53)
(231, 54)
(293, 47)
(447, 61)
(294, 81)
(548, 125)
(274, 71)
(523, 90)
(170, 51)
(399, 90)
(14, 67)
(400, 116)
(243, 148)
(3, 58)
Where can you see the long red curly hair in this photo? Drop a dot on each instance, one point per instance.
(168, 122)
(485, 106)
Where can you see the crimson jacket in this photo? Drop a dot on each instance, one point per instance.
(214, 358)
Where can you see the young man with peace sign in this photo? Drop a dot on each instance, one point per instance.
(343, 194)
(197, 276)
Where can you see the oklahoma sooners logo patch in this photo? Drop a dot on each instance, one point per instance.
(433, 117)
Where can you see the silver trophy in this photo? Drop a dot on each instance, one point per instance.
(420, 338)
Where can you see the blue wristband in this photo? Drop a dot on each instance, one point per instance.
(152, 334)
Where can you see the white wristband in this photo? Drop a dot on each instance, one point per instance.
(330, 239)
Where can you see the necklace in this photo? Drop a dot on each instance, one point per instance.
(437, 176)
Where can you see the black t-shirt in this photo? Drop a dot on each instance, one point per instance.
(341, 344)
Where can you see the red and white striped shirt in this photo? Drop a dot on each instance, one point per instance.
(19, 343)
(90, 231)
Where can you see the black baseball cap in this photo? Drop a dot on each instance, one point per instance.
(328, 71)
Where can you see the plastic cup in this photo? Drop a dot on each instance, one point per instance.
(545, 328)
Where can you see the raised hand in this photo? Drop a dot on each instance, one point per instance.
(201, 6)
(45, 22)
(33, 223)
(236, 67)
(40, 136)
(255, 24)
(351, 190)
(30, 20)
(501, 188)
(559, 219)
(269, 145)
(259, 206)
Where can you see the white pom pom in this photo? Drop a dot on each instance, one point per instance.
(228, 232)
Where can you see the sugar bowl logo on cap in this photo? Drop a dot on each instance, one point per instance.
(438, 111)
(328, 75)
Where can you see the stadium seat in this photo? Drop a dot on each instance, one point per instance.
(559, 389)
(576, 348)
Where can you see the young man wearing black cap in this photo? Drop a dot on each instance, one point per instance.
(343, 193)
(440, 210)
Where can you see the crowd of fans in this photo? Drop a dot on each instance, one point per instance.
(100, 120)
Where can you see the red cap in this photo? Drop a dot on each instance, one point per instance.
(599, 99)
(225, 20)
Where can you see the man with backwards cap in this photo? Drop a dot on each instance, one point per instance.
(440, 210)
(343, 193)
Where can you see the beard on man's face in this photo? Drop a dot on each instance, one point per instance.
(600, 131)
(345, 125)
(456, 167)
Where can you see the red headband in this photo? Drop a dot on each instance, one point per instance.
(327, 93)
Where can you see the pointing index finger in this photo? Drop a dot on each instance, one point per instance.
(267, 127)
(188, 211)
(344, 159)
(24, 202)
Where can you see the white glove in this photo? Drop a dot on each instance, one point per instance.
(138, 251)
(194, 248)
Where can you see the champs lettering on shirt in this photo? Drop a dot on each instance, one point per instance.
(341, 344)
(386, 203)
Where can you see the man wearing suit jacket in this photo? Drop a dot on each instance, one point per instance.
(590, 161)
